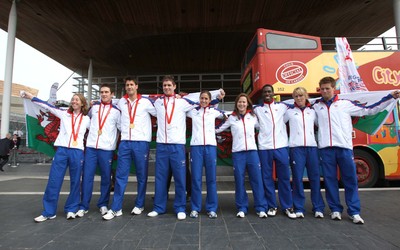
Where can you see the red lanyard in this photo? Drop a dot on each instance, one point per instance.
(101, 121)
(132, 117)
(75, 134)
(169, 118)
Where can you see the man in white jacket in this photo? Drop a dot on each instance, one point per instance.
(170, 150)
(273, 147)
(100, 145)
(336, 147)
(136, 133)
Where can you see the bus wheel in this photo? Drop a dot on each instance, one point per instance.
(367, 168)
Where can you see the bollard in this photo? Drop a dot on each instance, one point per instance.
(42, 158)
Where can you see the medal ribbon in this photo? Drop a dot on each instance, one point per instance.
(169, 118)
(132, 117)
(75, 134)
(101, 121)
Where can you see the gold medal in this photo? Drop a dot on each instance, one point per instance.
(132, 116)
(101, 120)
(169, 117)
(75, 133)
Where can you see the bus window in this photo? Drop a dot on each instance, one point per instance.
(283, 42)
(247, 86)
(251, 51)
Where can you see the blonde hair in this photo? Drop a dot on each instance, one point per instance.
(300, 91)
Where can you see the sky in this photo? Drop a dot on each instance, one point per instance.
(34, 69)
(377, 42)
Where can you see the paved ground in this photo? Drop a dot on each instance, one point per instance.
(21, 191)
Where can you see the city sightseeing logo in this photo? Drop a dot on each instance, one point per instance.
(291, 72)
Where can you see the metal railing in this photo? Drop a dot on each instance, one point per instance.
(364, 43)
(152, 84)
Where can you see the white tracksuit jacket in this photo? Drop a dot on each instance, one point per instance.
(65, 138)
(175, 131)
(301, 126)
(243, 131)
(334, 121)
(203, 125)
(107, 140)
(273, 134)
(142, 130)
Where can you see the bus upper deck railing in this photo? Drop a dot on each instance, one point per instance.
(364, 43)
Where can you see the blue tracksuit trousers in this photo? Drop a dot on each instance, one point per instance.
(331, 158)
(204, 156)
(300, 158)
(93, 158)
(64, 158)
(281, 158)
(170, 157)
(138, 151)
(242, 161)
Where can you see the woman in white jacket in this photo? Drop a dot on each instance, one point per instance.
(304, 153)
(73, 125)
(245, 156)
(203, 152)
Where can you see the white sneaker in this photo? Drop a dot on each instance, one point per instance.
(290, 213)
(357, 219)
(70, 215)
(212, 215)
(42, 218)
(272, 211)
(137, 210)
(152, 214)
(319, 215)
(81, 213)
(262, 214)
(194, 214)
(181, 216)
(336, 216)
(240, 214)
(103, 210)
(299, 215)
(111, 214)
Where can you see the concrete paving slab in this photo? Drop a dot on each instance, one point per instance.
(21, 191)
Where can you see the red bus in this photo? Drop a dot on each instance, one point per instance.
(288, 60)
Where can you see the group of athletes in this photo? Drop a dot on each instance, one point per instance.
(131, 118)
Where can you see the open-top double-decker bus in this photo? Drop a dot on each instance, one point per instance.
(289, 60)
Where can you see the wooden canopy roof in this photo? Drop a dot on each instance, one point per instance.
(179, 36)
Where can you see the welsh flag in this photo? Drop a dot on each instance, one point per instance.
(369, 124)
(42, 128)
(352, 87)
(372, 123)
